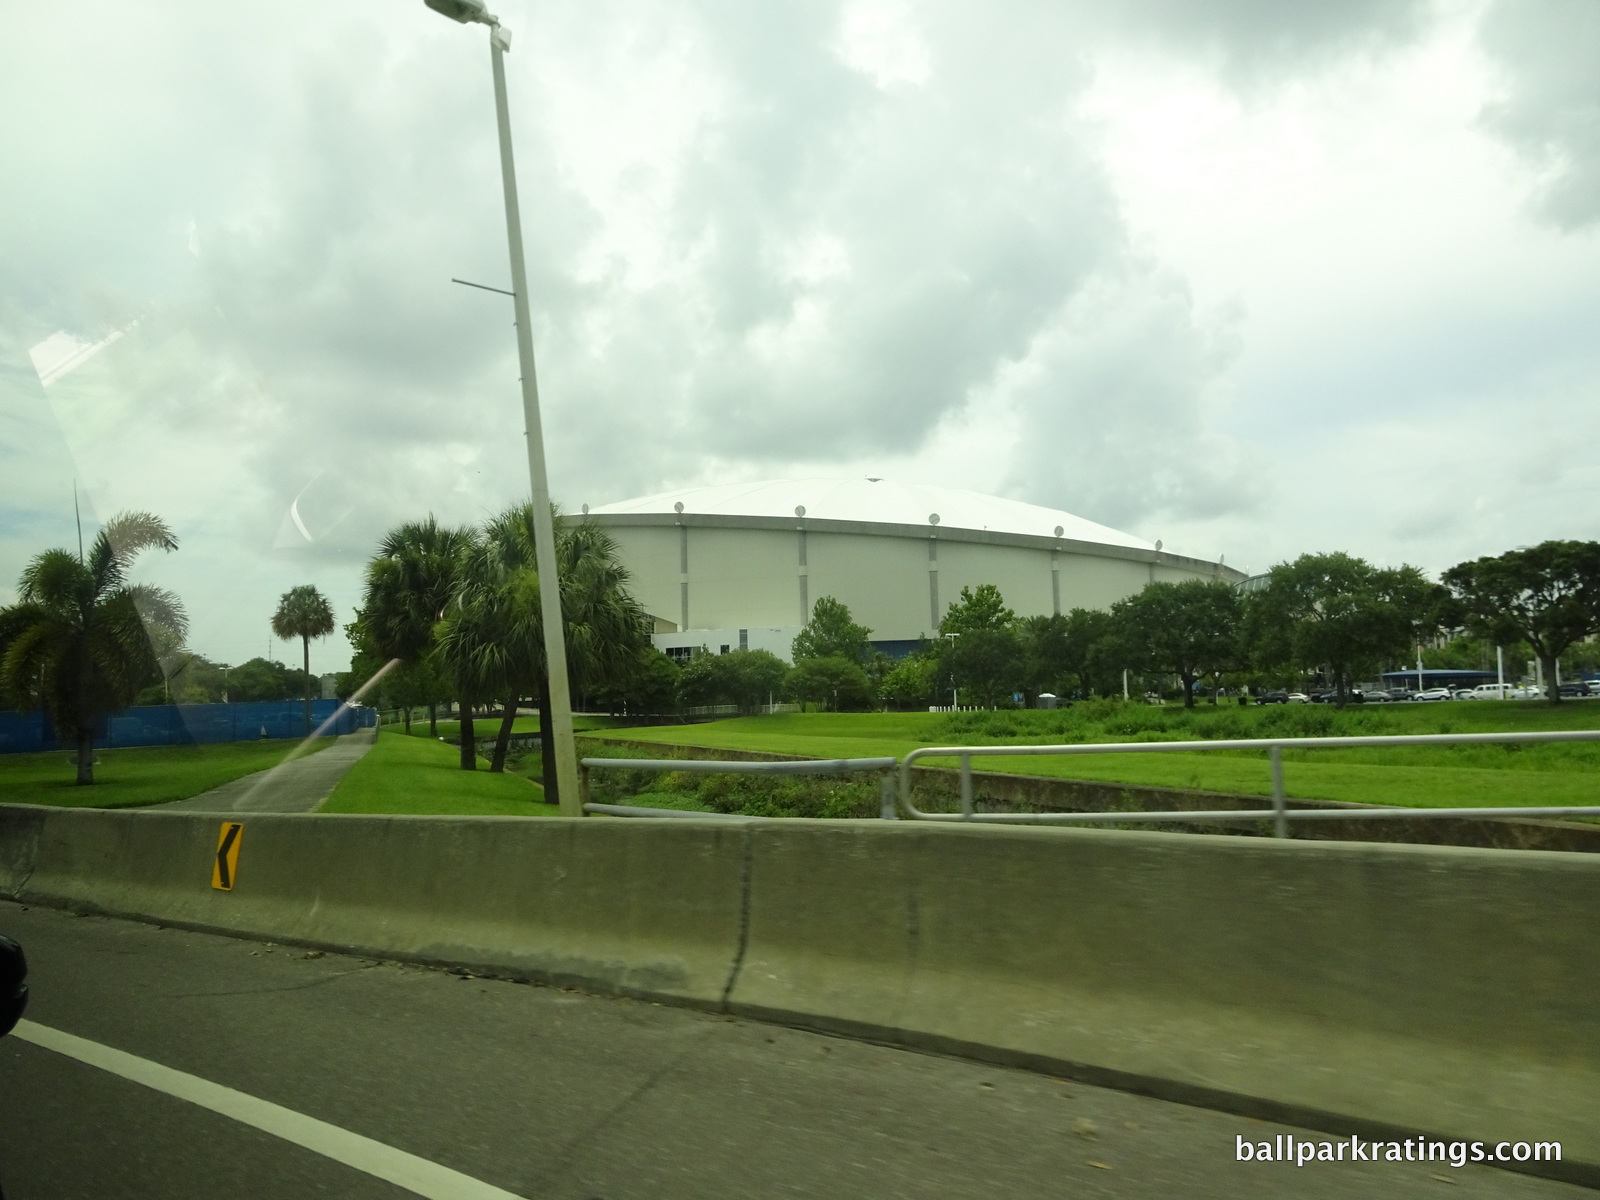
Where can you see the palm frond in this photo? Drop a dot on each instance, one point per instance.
(160, 609)
(57, 580)
(122, 539)
(35, 639)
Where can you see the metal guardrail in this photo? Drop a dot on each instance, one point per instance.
(810, 766)
(1280, 814)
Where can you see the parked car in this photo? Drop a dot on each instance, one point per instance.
(1491, 691)
(13, 984)
(1438, 693)
(1577, 689)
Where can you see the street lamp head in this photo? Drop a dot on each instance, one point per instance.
(464, 11)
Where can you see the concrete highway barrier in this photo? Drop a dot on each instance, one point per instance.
(616, 906)
(1358, 988)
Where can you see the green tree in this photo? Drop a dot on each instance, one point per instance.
(1337, 612)
(831, 633)
(984, 665)
(1547, 595)
(606, 629)
(1094, 653)
(835, 681)
(745, 678)
(260, 679)
(980, 651)
(984, 608)
(304, 613)
(914, 680)
(649, 686)
(77, 643)
(409, 584)
(1189, 629)
(492, 635)
(1046, 654)
(187, 677)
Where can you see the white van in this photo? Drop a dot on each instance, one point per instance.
(1492, 691)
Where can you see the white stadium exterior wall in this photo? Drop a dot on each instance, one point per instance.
(740, 558)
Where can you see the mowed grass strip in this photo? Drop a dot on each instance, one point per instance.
(1423, 777)
(408, 775)
(135, 777)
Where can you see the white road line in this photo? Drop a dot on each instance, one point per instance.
(404, 1170)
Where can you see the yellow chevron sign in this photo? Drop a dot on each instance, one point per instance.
(226, 866)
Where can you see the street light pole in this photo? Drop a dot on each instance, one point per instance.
(544, 538)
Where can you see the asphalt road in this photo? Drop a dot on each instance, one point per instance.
(543, 1093)
(297, 786)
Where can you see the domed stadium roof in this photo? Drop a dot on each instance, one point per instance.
(874, 501)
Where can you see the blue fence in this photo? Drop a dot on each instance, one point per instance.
(185, 725)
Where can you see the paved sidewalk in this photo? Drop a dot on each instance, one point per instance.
(299, 786)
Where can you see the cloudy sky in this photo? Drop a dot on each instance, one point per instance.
(1256, 277)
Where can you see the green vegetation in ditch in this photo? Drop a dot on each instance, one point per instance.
(416, 776)
(139, 776)
(487, 727)
(1442, 776)
(747, 795)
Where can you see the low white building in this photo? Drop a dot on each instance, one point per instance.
(741, 564)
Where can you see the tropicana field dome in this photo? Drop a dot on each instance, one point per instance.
(735, 558)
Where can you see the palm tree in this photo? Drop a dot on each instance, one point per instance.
(500, 616)
(304, 613)
(78, 642)
(490, 637)
(409, 585)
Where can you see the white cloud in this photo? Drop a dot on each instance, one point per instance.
(1207, 269)
(880, 39)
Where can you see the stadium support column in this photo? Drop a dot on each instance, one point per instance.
(683, 568)
(803, 577)
(1055, 573)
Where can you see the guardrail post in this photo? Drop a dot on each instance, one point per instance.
(583, 786)
(966, 787)
(1280, 822)
(886, 797)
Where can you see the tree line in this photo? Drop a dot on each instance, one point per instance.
(1329, 615)
(458, 611)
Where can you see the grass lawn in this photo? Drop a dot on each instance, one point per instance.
(416, 775)
(131, 778)
(1420, 776)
